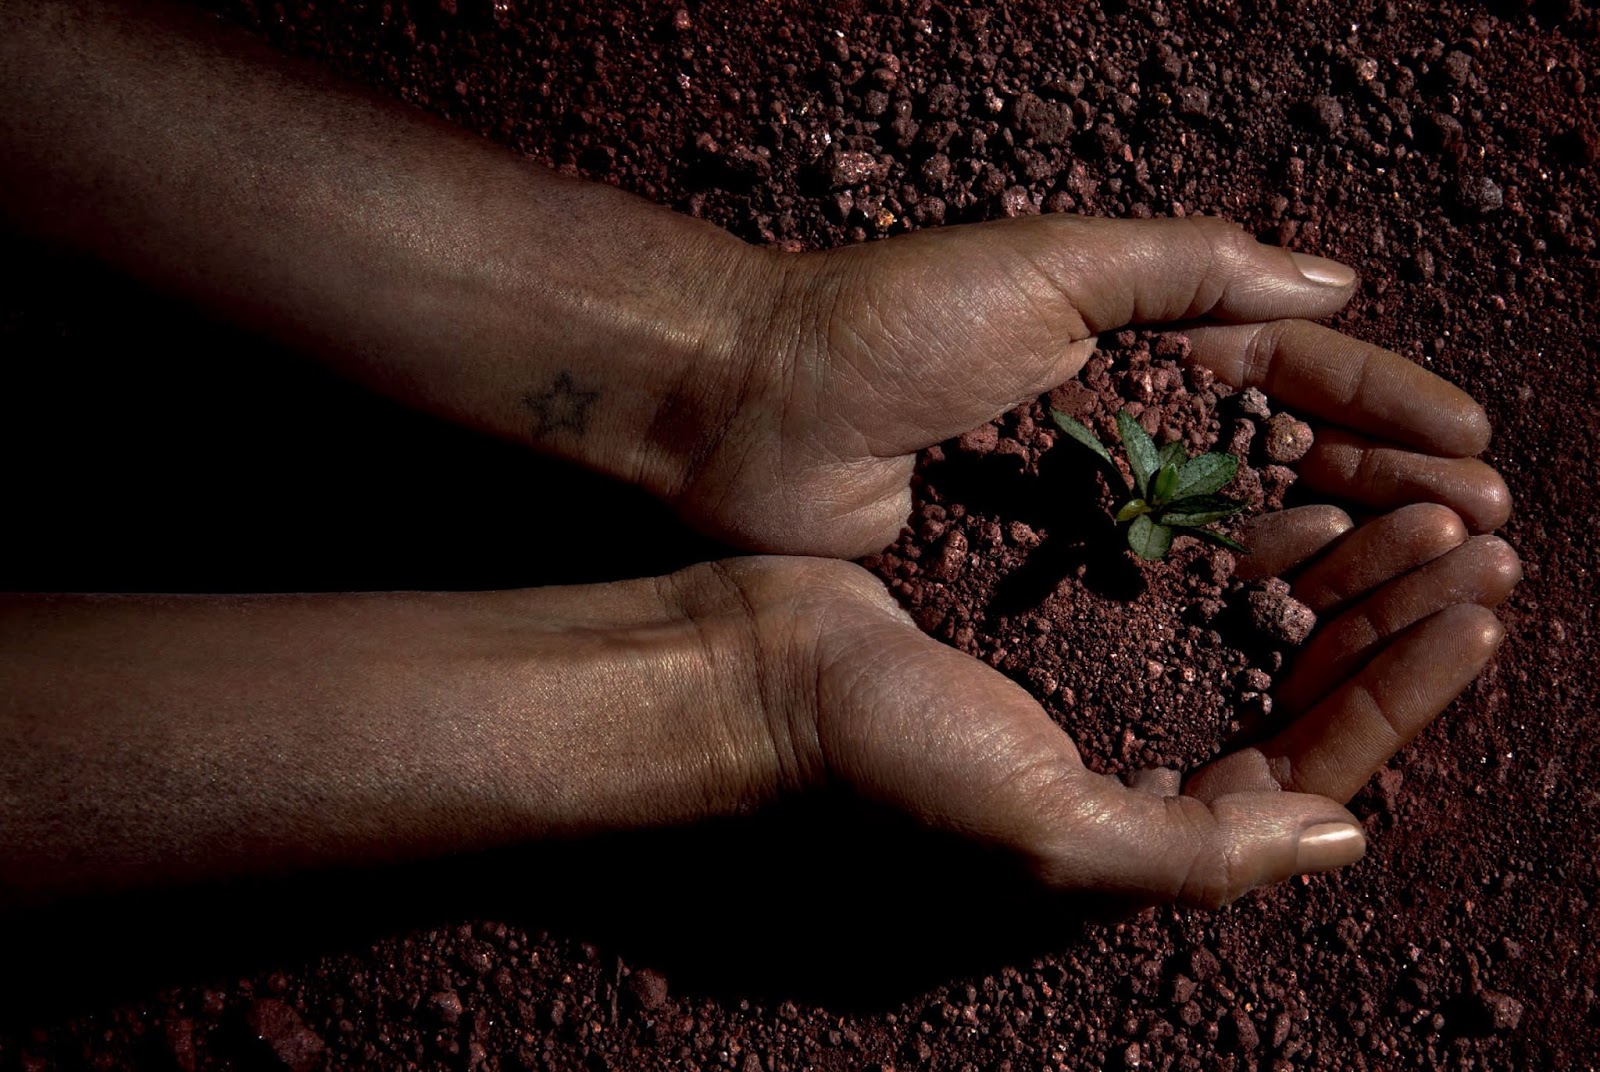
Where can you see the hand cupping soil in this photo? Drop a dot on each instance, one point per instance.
(1013, 557)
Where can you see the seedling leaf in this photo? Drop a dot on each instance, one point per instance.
(1201, 510)
(1174, 491)
(1195, 503)
(1166, 480)
(1141, 451)
(1149, 540)
(1080, 431)
(1205, 474)
(1226, 541)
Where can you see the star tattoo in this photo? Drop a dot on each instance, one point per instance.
(562, 405)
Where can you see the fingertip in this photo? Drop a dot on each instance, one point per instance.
(1323, 271)
(1261, 282)
(1284, 539)
(1335, 522)
(1267, 837)
(1490, 632)
(1450, 422)
(1473, 430)
(1493, 506)
(1495, 635)
(1501, 566)
(1321, 521)
(1328, 846)
(1475, 628)
(1432, 528)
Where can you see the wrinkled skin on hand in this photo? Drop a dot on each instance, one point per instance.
(862, 356)
(871, 353)
(328, 730)
(883, 711)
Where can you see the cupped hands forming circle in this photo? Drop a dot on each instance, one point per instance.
(776, 401)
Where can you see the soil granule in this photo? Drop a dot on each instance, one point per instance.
(1447, 151)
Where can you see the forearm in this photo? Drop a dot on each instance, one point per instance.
(152, 739)
(413, 256)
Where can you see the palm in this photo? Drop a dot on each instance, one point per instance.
(919, 726)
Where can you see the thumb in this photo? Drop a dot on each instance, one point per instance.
(1120, 272)
(1155, 849)
(921, 727)
(949, 327)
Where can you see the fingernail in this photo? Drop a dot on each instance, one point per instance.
(1322, 270)
(1328, 845)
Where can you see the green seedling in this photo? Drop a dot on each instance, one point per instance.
(1174, 491)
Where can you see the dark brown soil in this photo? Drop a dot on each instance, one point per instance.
(1449, 152)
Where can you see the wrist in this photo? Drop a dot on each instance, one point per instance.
(344, 729)
(706, 359)
(629, 343)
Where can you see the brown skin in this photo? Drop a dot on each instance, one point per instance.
(776, 401)
(201, 736)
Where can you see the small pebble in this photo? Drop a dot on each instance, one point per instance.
(1278, 615)
(649, 988)
(980, 440)
(446, 1005)
(1503, 1011)
(1326, 114)
(1287, 440)
(854, 167)
(1480, 194)
(1253, 403)
(291, 1044)
(1244, 1031)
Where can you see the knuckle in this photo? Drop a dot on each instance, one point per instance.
(1222, 248)
(1208, 878)
(1220, 233)
(1263, 354)
(1371, 474)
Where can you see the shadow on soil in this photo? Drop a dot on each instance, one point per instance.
(1062, 498)
(819, 903)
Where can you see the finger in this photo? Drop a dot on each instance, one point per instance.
(1243, 771)
(1121, 272)
(1483, 570)
(1378, 551)
(1333, 749)
(1321, 372)
(1154, 849)
(1281, 540)
(1347, 466)
(944, 329)
(914, 724)
(1159, 781)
